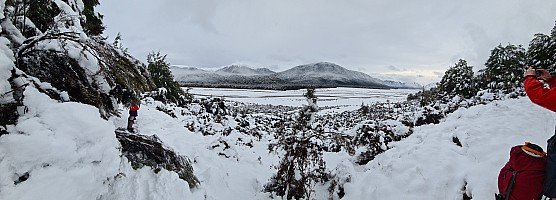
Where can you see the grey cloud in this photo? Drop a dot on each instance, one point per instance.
(394, 68)
(359, 34)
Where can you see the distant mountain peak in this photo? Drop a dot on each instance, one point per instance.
(235, 68)
(322, 65)
(243, 70)
(265, 71)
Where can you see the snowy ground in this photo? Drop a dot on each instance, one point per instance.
(343, 98)
(426, 165)
(74, 156)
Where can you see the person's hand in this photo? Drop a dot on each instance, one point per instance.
(545, 75)
(529, 72)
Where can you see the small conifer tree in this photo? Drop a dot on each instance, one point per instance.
(364, 109)
(302, 165)
(169, 89)
(457, 80)
(504, 69)
(539, 54)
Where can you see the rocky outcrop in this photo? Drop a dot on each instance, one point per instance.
(149, 151)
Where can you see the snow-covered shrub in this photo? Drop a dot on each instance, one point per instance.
(302, 165)
(170, 91)
(374, 137)
(338, 177)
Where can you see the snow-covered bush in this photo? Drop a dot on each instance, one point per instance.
(457, 80)
(504, 70)
(542, 51)
(372, 137)
(302, 165)
(169, 90)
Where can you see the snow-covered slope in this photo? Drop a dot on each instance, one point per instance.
(429, 165)
(426, 165)
(67, 151)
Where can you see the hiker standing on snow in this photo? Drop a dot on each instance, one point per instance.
(132, 115)
(545, 97)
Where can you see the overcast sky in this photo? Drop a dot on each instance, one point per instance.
(421, 38)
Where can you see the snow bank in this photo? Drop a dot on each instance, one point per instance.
(66, 148)
(144, 184)
(6, 65)
(70, 152)
(429, 165)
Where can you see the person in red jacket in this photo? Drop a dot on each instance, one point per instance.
(132, 115)
(545, 97)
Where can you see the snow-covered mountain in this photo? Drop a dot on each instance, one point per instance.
(192, 74)
(243, 71)
(323, 74)
(330, 74)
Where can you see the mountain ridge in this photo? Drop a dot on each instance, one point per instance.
(317, 75)
(243, 70)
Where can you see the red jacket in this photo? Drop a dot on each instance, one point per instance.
(539, 94)
(134, 107)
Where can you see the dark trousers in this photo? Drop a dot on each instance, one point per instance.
(130, 122)
(550, 179)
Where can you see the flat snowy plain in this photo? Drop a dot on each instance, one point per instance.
(340, 98)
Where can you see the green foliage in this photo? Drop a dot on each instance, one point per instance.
(553, 32)
(93, 21)
(8, 114)
(425, 97)
(458, 80)
(302, 166)
(542, 51)
(364, 109)
(540, 54)
(162, 77)
(310, 93)
(118, 43)
(42, 13)
(504, 69)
